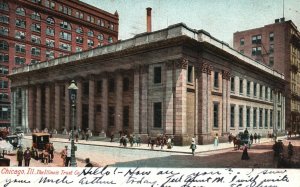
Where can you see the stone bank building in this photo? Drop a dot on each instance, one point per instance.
(177, 81)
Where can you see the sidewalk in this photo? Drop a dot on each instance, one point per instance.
(175, 149)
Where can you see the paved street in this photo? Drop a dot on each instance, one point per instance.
(107, 153)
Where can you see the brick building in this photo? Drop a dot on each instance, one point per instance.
(278, 46)
(176, 81)
(32, 31)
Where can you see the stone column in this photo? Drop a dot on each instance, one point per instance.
(67, 107)
(92, 103)
(47, 107)
(13, 108)
(209, 100)
(79, 105)
(25, 109)
(104, 103)
(31, 122)
(225, 101)
(275, 92)
(136, 100)
(169, 106)
(57, 112)
(144, 100)
(283, 112)
(119, 102)
(38, 107)
(180, 104)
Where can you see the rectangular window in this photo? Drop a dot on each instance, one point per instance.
(271, 95)
(111, 85)
(157, 115)
(3, 84)
(266, 93)
(271, 118)
(248, 88)
(35, 27)
(271, 36)
(271, 49)
(4, 19)
(216, 80)
(90, 43)
(254, 89)
(36, 39)
(35, 51)
(4, 58)
(260, 118)
(278, 117)
(86, 88)
(5, 112)
(111, 116)
(248, 117)
(157, 75)
(278, 97)
(242, 41)
(20, 35)
(241, 116)
(260, 91)
(232, 86)
(65, 36)
(216, 115)
(79, 40)
(99, 87)
(254, 117)
(21, 23)
(241, 86)
(266, 118)
(19, 60)
(232, 107)
(50, 31)
(20, 48)
(50, 54)
(125, 84)
(126, 116)
(190, 74)
(50, 43)
(4, 31)
(3, 70)
(64, 46)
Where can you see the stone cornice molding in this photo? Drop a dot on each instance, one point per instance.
(226, 75)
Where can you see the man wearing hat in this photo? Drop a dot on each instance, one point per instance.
(20, 156)
(27, 156)
(68, 156)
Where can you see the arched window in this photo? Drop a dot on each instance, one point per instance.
(20, 11)
(36, 16)
(90, 33)
(100, 37)
(65, 25)
(4, 6)
(79, 30)
(50, 21)
(3, 45)
(110, 39)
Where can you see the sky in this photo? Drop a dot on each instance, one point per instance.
(221, 18)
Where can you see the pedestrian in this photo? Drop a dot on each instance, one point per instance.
(88, 163)
(76, 136)
(216, 140)
(51, 152)
(230, 138)
(255, 137)
(290, 150)
(87, 134)
(193, 146)
(149, 140)
(258, 137)
(112, 137)
(20, 156)
(46, 157)
(138, 141)
(27, 156)
(245, 155)
(152, 143)
(251, 138)
(169, 145)
(63, 155)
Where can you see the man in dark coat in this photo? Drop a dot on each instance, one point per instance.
(27, 156)
(20, 156)
(88, 163)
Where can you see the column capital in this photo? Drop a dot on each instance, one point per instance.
(209, 69)
(226, 74)
(182, 63)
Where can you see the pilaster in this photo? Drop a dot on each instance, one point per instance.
(92, 103)
(38, 107)
(119, 102)
(79, 104)
(136, 100)
(67, 107)
(57, 112)
(169, 105)
(144, 99)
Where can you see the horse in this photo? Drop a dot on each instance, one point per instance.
(236, 143)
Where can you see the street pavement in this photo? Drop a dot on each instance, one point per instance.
(111, 153)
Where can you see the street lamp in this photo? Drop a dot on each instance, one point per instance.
(73, 92)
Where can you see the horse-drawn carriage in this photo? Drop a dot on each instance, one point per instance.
(240, 140)
(40, 141)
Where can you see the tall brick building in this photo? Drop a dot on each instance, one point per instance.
(177, 81)
(32, 31)
(278, 46)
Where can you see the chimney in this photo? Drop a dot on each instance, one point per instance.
(149, 28)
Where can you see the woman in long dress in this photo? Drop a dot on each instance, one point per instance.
(245, 155)
(193, 147)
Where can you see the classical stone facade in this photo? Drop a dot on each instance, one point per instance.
(175, 81)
